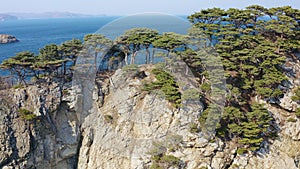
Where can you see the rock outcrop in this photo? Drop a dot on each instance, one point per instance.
(125, 128)
(49, 140)
(4, 38)
(130, 123)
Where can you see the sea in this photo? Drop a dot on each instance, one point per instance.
(33, 34)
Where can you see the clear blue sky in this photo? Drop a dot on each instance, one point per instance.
(126, 7)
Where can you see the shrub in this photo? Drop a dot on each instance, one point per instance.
(155, 166)
(164, 160)
(158, 150)
(173, 141)
(203, 167)
(296, 96)
(65, 92)
(167, 84)
(210, 117)
(194, 128)
(108, 118)
(250, 127)
(160, 65)
(292, 120)
(191, 94)
(18, 86)
(131, 67)
(235, 166)
(170, 159)
(297, 113)
(241, 150)
(206, 87)
(27, 114)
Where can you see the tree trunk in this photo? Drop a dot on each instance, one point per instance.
(186, 70)
(167, 57)
(153, 52)
(133, 57)
(65, 68)
(126, 58)
(147, 56)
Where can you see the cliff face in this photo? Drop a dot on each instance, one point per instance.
(126, 128)
(48, 141)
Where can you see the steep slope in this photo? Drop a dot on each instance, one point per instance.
(45, 137)
(126, 127)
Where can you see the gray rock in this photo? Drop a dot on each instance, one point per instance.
(287, 103)
(4, 38)
(48, 142)
(122, 129)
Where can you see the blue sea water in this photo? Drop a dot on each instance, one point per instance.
(36, 33)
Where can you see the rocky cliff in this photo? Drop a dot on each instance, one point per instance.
(126, 127)
(4, 38)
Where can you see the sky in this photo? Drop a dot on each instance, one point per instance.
(128, 7)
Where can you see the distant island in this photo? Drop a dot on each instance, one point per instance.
(5, 38)
(5, 17)
(15, 16)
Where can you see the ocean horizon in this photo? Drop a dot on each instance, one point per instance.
(34, 34)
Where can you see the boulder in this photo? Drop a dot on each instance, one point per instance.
(4, 38)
